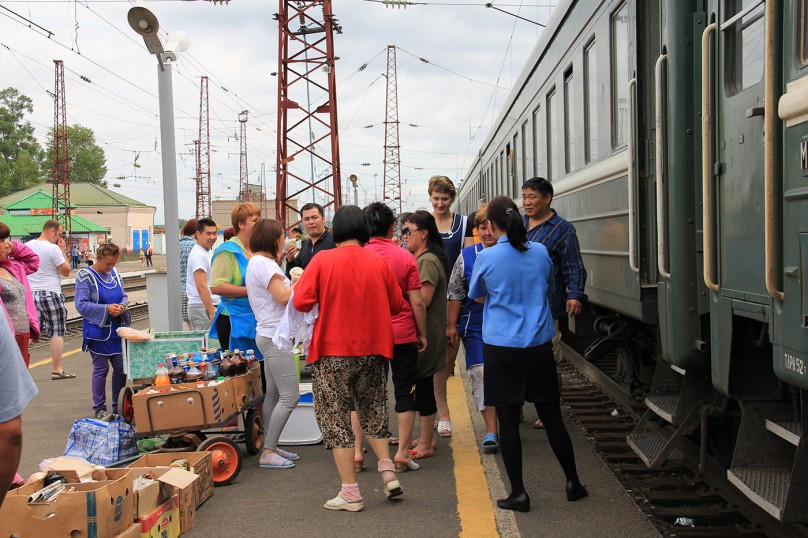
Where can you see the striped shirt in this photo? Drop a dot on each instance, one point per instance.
(558, 235)
(186, 245)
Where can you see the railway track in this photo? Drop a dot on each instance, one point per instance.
(131, 283)
(138, 311)
(676, 497)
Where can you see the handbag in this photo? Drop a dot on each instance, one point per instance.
(100, 442)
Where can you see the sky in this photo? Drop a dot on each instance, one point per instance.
(445, 107)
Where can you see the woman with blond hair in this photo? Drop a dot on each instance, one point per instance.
(457, 233)
(234, 322)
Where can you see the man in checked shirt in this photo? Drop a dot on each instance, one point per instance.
(545, 226)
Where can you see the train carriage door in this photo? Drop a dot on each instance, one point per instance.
(791, 315)
(734, 223)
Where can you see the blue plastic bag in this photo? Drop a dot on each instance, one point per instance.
(100, 442)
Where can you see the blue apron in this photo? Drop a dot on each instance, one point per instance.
(471, 312)
(242, 319)
(104, 339)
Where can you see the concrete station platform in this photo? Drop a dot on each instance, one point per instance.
(451, 495)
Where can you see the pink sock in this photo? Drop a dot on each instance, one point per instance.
(350, 492)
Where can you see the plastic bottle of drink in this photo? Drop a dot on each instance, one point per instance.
(194, 374)
(226, 368)
(250, 358)
(161, 377)
(239, 364)
(176, 374)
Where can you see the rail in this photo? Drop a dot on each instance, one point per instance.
(706, 154)
(130, 283)
(632, 224)
(661, 162)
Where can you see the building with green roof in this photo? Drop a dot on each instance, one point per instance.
(128, 222)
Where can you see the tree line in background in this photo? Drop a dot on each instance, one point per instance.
(23, 161)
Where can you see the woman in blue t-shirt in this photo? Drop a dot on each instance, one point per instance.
(513, 279)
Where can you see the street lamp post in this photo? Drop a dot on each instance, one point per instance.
(145, 23)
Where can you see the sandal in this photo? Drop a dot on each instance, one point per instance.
(490, 441)
(392, 488)
(338, 503)
(55, 376)
(273, 460)
(404, 466)
(392, 441)
(359, 465)
(539, 425)
(445, 428)
(291, 456)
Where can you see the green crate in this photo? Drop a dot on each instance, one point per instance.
(142, 357)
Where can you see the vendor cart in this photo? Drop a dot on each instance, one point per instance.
(194, 416)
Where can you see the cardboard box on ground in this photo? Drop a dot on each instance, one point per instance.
(104, 507)
(163, 522)
(199, 462)
(132, 532)
(170, 482)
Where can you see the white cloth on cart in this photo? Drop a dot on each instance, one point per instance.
(295, 327)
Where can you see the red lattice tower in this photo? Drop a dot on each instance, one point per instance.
(392, 161)
(60, 176)
(308, 166)
(244, 181)
(203, 209)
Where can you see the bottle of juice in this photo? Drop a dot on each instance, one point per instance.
(161, 377)
(226, 368)
(176, 375)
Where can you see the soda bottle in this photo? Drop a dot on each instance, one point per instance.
(250, 358)
(176, 374)
(239, 364)
(227, 368)
(161, 377)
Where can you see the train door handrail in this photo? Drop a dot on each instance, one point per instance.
(632, 247)
(706, 161)
(661, 161)
(769, 137)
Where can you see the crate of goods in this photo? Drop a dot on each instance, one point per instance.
(101, 507)
(197, 405)
(141, 357)
(163, 522)
(199, 463)
(247, 387)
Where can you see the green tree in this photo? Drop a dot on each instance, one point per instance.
(18, 143)
(88, 164)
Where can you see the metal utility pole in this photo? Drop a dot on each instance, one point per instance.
(60, 176)
(244, 183)
(203, 204)
(264, 191)
(392, 160)
(307, 108)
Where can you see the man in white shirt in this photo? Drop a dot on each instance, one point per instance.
(201, 302)
(46, 286)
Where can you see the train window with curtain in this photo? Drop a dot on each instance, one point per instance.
(536, 141)
(515, 153)
(552, 136)
(503, 173)
(744, 43)
(802, 34)
(590, 102)
(620, 76)
(570, 146)
(523, 149)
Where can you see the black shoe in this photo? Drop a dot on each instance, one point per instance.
(519, 502)
(101, 413)
(575, 490)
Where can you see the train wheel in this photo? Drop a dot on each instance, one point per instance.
(125, 407)
(226, 458)
(253, 432)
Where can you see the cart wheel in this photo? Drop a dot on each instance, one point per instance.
(125, 407)
(253, 432)
(226, 458)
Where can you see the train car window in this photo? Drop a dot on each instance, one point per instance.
(570, 146)
(552, 136)
(591, 102)
(515, 152)
(523, 149)
(503, 175)
(536, 141)
(744, 43)
(802, 34)
(620, 76)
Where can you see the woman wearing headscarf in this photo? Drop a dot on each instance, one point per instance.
(512, 279)
(358, 296)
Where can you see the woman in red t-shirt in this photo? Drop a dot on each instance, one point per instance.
(358, 295)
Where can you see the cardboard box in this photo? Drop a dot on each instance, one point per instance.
(163, 522)
(90, 509)
(200, 463)
(184, 406)
(169, 481)
(132, 532)
(248, 387)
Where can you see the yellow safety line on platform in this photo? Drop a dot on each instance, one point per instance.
(473, 501)
(50, 359)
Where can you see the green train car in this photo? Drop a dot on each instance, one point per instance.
(675, 133)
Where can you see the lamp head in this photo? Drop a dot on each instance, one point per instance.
(354, 179)
(144, 22)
